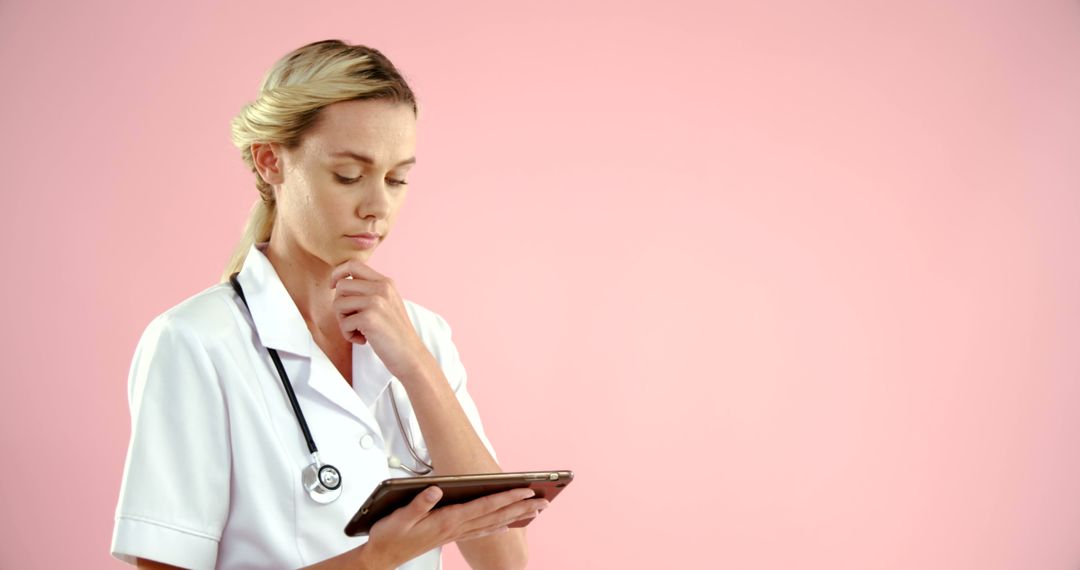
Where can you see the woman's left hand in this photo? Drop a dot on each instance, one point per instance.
(369, 309)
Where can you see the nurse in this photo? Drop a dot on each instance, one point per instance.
(214, 474)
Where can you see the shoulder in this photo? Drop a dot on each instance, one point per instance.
(422, 316)
(433, 329)
(205, 317)
(180, 351)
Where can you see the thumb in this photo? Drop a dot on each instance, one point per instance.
(424, 502)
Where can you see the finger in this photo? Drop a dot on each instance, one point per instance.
(520, 522)
(421, 504)
(354, 324)
(358, 269)
(357, 286)
(494, 503)
(482, 533)
(498, 527)
(345, 306)
(491, 503)
(509, 514)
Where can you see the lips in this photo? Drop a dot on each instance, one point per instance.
(365, 235)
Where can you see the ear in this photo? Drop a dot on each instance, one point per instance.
(267, 158)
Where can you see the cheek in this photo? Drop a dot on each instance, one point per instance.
(307, 210)
(396, 204)
(327, 211)
(306, 207)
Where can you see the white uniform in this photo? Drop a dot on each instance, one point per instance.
(213, 471)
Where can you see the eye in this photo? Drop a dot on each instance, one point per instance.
(345, 180)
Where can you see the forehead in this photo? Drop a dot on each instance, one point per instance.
(385, 129)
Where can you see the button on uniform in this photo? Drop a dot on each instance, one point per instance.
(367, 441)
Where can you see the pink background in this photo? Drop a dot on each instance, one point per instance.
(809, 267)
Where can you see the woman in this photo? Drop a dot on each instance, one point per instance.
(218, 473)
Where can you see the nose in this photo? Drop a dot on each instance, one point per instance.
(374, 200)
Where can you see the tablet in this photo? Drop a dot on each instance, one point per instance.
(395, 493)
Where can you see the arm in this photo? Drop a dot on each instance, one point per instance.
(179, 460)
(455, 448)
(369, 309)
(349, 560)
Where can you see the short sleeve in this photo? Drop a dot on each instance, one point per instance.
(450, 360)
(174, 495)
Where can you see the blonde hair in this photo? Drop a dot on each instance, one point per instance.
(292, 93)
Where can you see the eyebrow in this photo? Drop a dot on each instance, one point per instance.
(367, 159)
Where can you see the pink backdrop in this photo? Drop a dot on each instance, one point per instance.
(817, 256)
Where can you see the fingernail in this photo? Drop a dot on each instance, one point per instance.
(432, 493)
(528, 493)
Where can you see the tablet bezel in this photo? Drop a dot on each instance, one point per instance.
(392, 494)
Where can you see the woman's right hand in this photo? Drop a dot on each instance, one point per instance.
(415, 528)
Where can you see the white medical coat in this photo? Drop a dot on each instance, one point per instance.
(212, 477)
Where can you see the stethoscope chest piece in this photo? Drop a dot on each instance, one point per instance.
(322, 482)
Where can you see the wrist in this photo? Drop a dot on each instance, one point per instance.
(369, 558)
(425, 369)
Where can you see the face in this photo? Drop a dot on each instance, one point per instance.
(348, 176)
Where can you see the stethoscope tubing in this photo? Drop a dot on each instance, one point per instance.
(283, 376)
(408, 442)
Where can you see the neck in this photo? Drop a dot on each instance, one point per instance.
(307, 279)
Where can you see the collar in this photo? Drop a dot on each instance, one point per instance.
(280, 326)
(277, 320)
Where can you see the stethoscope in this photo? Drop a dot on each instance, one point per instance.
(322, 481)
